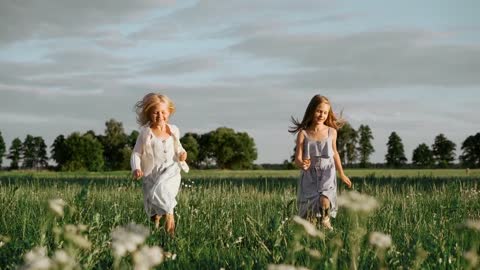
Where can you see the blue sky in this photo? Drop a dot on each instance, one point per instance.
(409, 67)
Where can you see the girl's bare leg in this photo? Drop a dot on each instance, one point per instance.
(170, 224)
(156, 219)
(325, 204)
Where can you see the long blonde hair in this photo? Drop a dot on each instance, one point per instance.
(142, 107)
(307, 120)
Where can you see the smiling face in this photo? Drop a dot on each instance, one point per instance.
(159, 114)
(321, 113)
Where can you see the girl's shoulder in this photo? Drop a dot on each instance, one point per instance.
(144, 129)
(332, 132)
(301, 134)
(174, 129)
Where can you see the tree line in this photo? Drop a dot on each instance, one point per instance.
(222, 148)
(355, 147)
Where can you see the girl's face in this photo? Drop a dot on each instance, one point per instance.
(321, 113)
(159, 114)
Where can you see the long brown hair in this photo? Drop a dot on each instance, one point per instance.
(307, 121)
(143, 106)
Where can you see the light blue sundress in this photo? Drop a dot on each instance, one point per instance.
(319, 179)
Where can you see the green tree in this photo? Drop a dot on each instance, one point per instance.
(206, 153)
(34, 153)
(15, 153)
(470, 157)
(2, 149)
(365, 147)
(83, 153)
(190, 143)
(347, 144)
(126, 153)
(113, 143)
(59, 151)
(395, 156)
(42, 158)
(292, 157)
(288, 165)
(132, 138)
(233, 150)
(91, 132)
(422, 156)
(443, 151)
(28, 148)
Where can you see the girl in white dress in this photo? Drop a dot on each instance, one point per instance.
(158, 156)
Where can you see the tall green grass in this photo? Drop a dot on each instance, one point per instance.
(254, 173)
(246, 222)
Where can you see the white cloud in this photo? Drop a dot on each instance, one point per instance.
(68, 67)
(50, 91)
(369, 59)
(59, 19)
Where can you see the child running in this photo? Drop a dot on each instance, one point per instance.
(158, 156)
(316, 154)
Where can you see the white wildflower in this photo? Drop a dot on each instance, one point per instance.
(357, 202)
(239, 240)
(128, 238)
(380, 240)
(57, 205)
(63, 260)
(147, 257)
(73, 234)
(473, 224)
(285, 267)
(170, 256)
(314, 253)
(37, 259)
(309, 227)
(472, 258)
(4, 240)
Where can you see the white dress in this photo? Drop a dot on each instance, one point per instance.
(158, 159)
(160, 188)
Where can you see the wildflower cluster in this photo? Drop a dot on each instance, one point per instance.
(380, 240)
(130, 239)
(70, 238)
(357, 202)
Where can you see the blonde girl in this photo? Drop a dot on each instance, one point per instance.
(158, 157)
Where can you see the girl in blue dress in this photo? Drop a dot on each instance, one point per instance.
(316, 155)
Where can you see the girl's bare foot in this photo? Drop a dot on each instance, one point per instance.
(326, 223)
(170, 224)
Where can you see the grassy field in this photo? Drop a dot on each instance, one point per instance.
(244, 220)
(195, 174)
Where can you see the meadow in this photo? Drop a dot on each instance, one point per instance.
(419, 219)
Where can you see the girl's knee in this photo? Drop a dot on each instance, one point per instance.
(324, 201)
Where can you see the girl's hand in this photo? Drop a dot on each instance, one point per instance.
(346, 180)
(306, 164)
(182, 156)
(137, 174)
